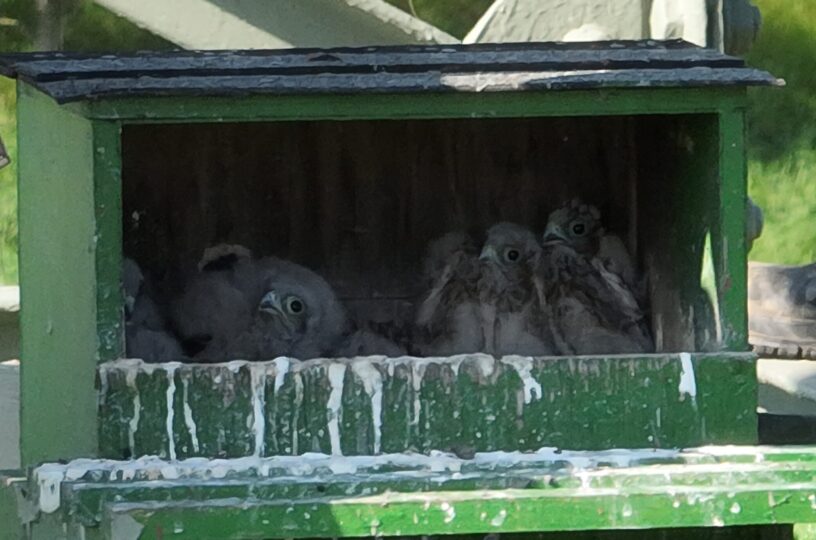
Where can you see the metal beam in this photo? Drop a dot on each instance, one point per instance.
(264, 24)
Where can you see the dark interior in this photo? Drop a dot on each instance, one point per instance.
(357, 201)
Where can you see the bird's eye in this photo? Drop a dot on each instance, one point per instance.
(294, 305)
(512, 255)
(578, 229)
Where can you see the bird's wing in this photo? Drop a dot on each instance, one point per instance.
(602, 294)
(448, 319)
(543, 275)
(211, 307)
(152, 345)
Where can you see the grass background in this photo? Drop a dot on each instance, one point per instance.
(782, 133)
(782, 123)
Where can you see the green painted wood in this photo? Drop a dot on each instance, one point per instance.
(11, 527)
(426, 404)
(398, 106)
(728, 238)
(58, 281)
(479, 512)
(311, 488)
(674, 216)
(108, 238)
(85, 499)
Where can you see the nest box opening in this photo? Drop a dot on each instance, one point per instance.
(358, 201)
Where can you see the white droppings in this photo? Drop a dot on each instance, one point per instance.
(257, 375)
(449, 510)
(49, 477)
(236, 365)
(281, 369)
(372, 383)
(498, 520)
(455, 367)
(298, 402)
(170, 472)
(688, 382)
(188, 415)
(337, 373)
(486, 364)
(443, 462)
(736, 508)
(342, 466)
(417, 372)
(523, 366)
(133, 425)
(627, 510)
(171, 368)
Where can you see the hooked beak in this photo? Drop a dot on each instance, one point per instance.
(553, 234)
(271, 304)
(489, 254)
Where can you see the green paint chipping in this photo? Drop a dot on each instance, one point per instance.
(333, 496)
(728, 234)
(108, 238)
(426, 404)
(58, 281)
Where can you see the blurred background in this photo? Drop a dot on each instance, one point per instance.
(782, 123)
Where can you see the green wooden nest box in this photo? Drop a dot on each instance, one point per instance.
(349, 161)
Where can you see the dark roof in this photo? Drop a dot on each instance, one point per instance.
(442, 68)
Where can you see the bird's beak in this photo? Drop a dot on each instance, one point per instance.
(271, 303)
(130, 303)
(489, 254)
(554, 233)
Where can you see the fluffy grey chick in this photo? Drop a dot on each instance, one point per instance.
(365, 342)
(146, 334)
(579, 224)
(448, 318)
(217, 303)
(515, 318)
(296, 313)
(594, 310)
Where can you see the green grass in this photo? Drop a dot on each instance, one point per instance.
(782, 133)
(8, 185)
(785, 188)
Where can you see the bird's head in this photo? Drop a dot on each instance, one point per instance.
(509, 245)
(576, 224)
(297, 304)
(286, 307)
